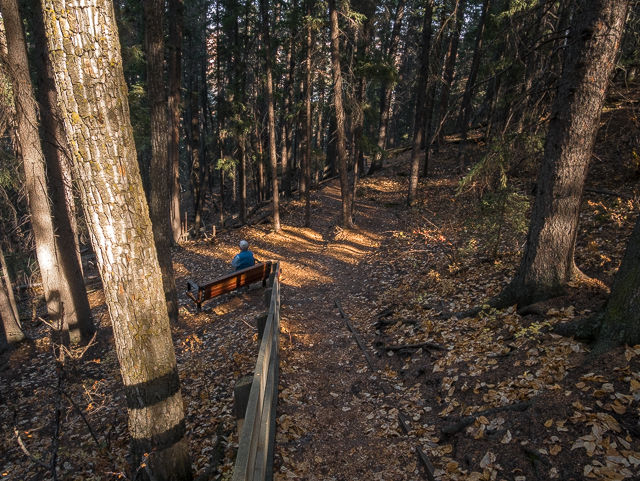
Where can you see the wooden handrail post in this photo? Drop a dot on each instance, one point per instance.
(261, 321)
(267, 297)
(241, 399)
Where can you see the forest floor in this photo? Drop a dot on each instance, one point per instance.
(495, 397)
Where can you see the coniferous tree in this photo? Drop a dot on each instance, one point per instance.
(548, 260)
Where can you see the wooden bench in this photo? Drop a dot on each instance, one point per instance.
(228, 283)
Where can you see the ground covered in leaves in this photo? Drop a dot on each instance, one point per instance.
(496, 397)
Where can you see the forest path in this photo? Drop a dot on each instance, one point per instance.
(330, 423)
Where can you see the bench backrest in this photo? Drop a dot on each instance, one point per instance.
(230, 282)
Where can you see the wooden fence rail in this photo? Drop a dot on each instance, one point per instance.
(257, 435)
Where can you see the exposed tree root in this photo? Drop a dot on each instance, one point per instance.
(469, 420)
(584, 329)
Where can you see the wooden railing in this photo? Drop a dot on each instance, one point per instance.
(258, 428)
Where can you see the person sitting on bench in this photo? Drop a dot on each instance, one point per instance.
(244, 258)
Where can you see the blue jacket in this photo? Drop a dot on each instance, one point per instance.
(243, 260)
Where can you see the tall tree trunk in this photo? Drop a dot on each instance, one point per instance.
(465, 109)
(34, 162)
(621, 317)
(421, 87)
(287, 149)
(387, 90)
(174, 62)
(240, 83)
(347, 221)
(434, 74)
(548, 262)
(368, 9)
(449, 66)
(56, 153)
(271, 121)
(92, 93)
(196, 157)
(161, 168)
(306, 169)
(204, 154)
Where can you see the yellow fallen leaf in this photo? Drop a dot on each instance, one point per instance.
(619, 408)
(549, 423)
(555, 450)
(452, 467)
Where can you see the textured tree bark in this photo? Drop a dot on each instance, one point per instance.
(161, 168)
(421, 87)
(387, 91)
(271, 120)
(34, 162)
(85, 53)
(11, 324)
(7, 281)
(73, 293)
(347, 221)
(621, 317)
(175, 12)
(548, 262)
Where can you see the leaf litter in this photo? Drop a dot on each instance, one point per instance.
(502, 397)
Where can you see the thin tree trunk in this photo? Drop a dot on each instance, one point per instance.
(34, 162)
(196, 159)
(548, 261)
(92, 93)
(204, 154)
(175, 12)
(347, 221)
(435, 70)
(306, 174)
(271, 122)
(366, 8)
(418, 122)
(161, 167)
(56, 153)
(450, 63)
(287, 149)
(465, 109)
(10, 322)
(7, 281)
(387, 91)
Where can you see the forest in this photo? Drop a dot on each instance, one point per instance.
(453, 184)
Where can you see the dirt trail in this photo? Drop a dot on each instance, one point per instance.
(328, 394)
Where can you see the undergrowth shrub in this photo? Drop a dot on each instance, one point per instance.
(500, 218)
